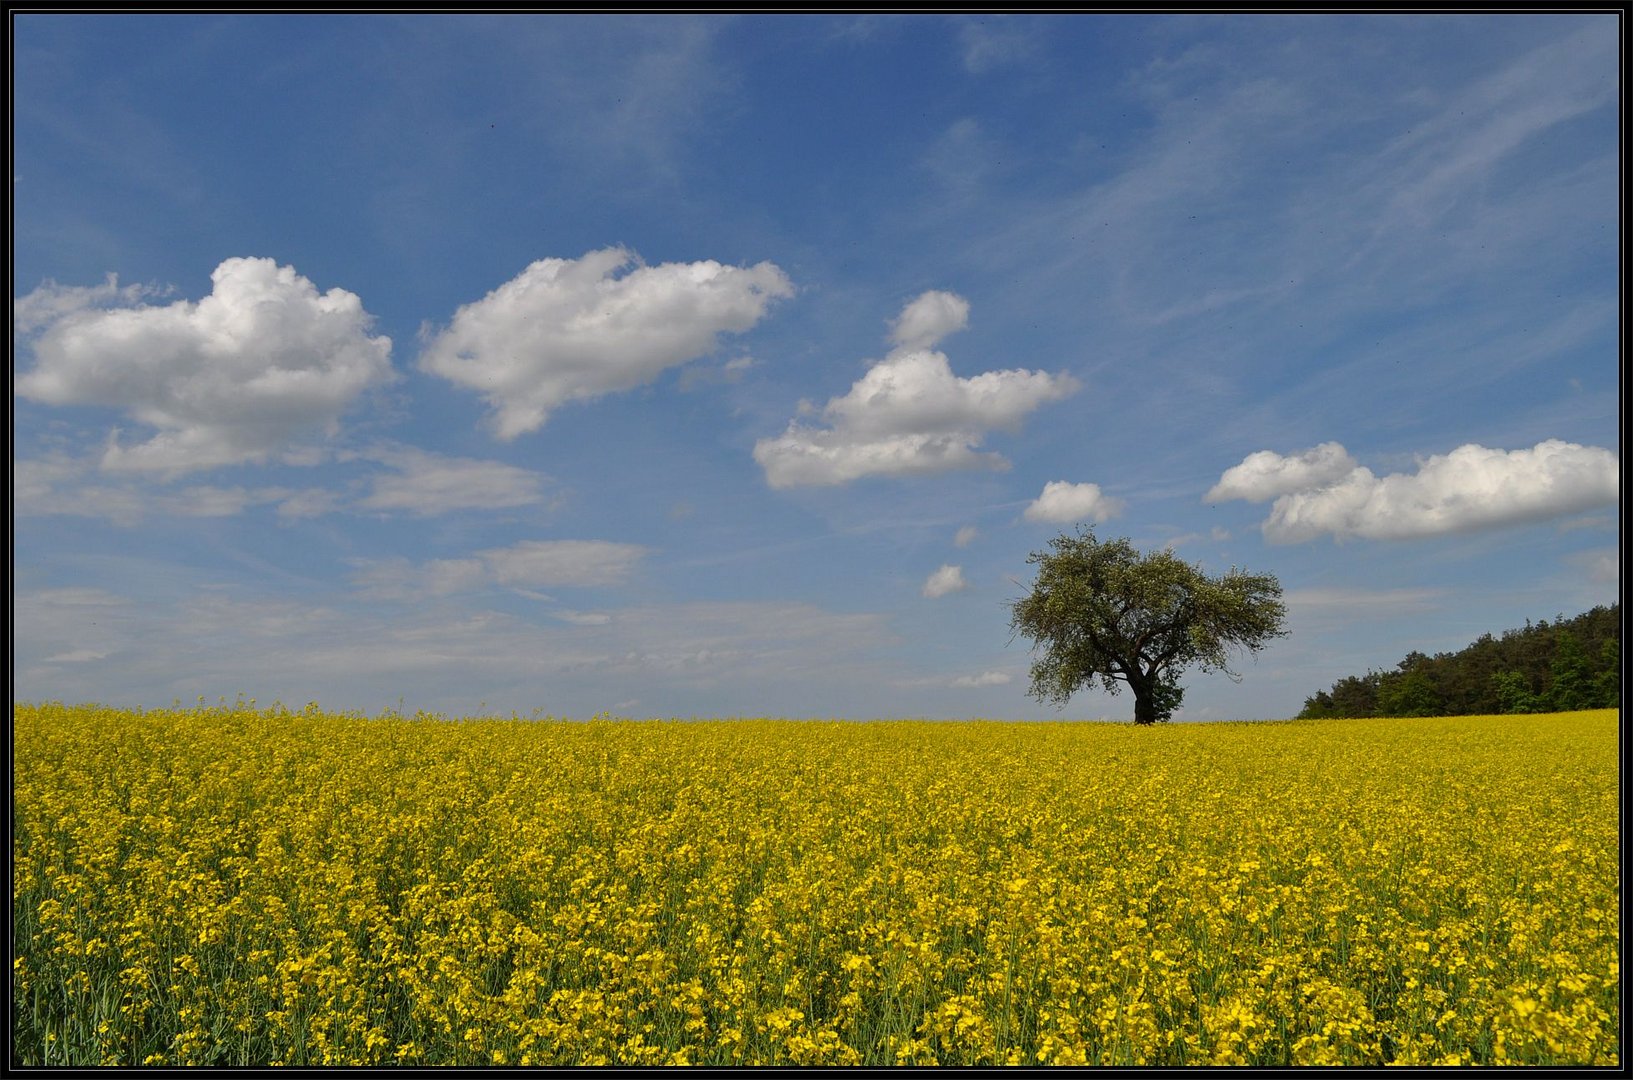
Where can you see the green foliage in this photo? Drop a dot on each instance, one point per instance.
(1353, 695)
(1102, 611)
(1409, 693)
(1514, 694)
(1568, 664)
(1572, 677)
(1608, 682)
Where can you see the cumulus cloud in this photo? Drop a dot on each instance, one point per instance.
(577, 329)
(51, 303)
(965, 536)
(948, 579)
(1471, 488)
(986, 678)
(230, 379)
(531, 564)
(426, 484)
(1062, 501)
(1267, 474)
(910, 413)
(928, 319)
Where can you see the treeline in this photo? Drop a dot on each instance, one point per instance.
(1568, 664)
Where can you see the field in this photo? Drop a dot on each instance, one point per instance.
(234, 886)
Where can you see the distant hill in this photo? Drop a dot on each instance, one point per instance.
(1546, 667)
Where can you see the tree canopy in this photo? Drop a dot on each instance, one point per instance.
(1569, 664)
(1102, 611)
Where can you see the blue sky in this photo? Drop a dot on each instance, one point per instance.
(715, 366)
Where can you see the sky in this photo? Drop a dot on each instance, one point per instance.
(672, 366)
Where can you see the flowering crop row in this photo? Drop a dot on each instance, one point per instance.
(240, 886)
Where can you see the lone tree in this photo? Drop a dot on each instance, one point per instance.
(1101, 610)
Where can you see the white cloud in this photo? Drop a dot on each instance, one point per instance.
(910, 413)
(34, 482)
(1062, 501)
(1266, 474)
(928, 319)
(230, 379)
(75, 656)
(575, 329)
(209, 501)
(545, 563)
(948, 579)
(308, 503)
(426, 484)
(45, 487)
(986, 678)
(420, 483)
(51, 303)
(965, 536)
(810, 456)
(73, 625)
(399, 579)
(582, 618)
(522, 567)
(1352, 603)
(1215, 534)
(1471, 488)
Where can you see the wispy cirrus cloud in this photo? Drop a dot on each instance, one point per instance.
(426, 484)
(528, 564)
(418, 482)
(1602, 566)
(274, 646)
(57, 486)
(992, 42)
(986, 678)
(1352, 602)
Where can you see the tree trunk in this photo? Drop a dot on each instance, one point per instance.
(1145, 701)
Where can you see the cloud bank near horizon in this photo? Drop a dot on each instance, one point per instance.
(1322, 491)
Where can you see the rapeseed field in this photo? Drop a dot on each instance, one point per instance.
(237, 886)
